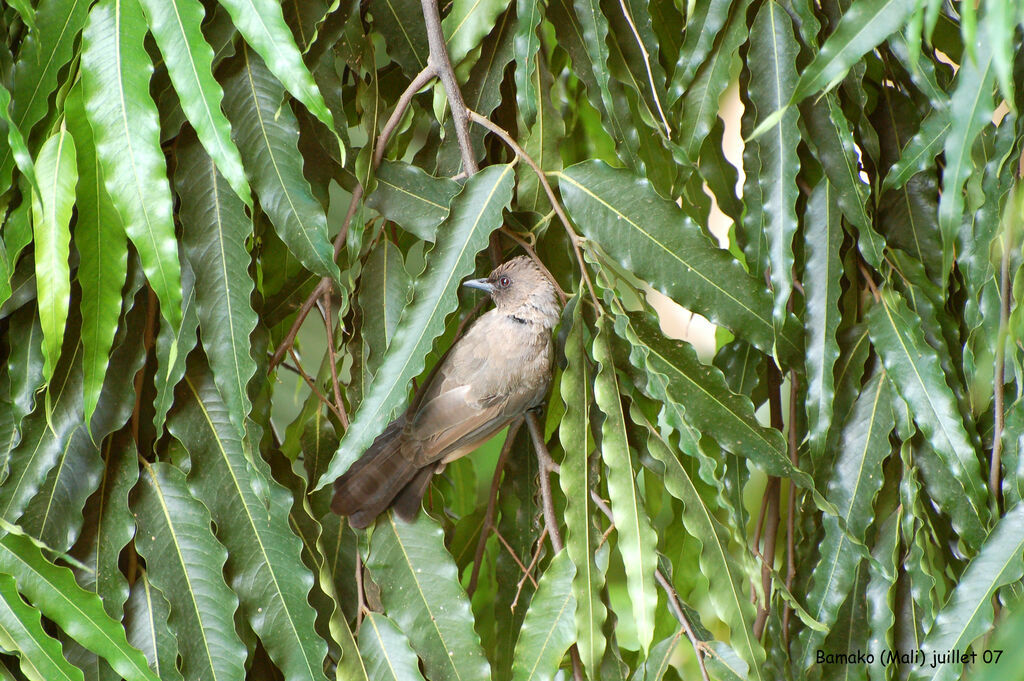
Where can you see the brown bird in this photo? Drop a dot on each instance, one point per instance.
(491, 376)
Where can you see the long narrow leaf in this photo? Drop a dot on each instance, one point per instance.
(421, 593)
(124, 120)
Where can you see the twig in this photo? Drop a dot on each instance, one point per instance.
(529, 568)
(791, 506)
(332, 358)
(1005, 295)
(312, 385)
(421, 79)
(289, 338)
(546, 466)
(869, 281)
(485, 529)
(574, 238)
(515, 557)
(360, 594)
(442, 65)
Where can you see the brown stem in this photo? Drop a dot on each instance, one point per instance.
(332, 358)
(515, 557)
(574, 238)
(289, 338)
(312, 385)
(1005, 296)
(442, 65)
(421, 79)
(791, 505)
(546, 466)
(485, 529)
(149, 335)
(529, 568)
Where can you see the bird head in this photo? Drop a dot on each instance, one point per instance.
(519, 287)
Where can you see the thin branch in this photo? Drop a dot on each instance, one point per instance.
(574, 238)
(442, 65)
(332, 358)
(485, 529)
(791, 504)
(312, 385)
(421, 79)
(1005, 299)
(515, 557)
(546, 466)
(529, 568)
(289, 338)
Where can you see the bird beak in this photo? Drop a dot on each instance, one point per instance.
(481, 284)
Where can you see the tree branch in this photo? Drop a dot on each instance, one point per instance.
(442, 65)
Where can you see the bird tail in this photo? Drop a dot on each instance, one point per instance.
(371, 484)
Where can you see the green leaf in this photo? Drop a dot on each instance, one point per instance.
(970, 110)
(913, 367)
(146, 624)
(266, 131)
(16, 147)
(728, 570)
(45, 433)
(262, 25)
(115, 77)
(577, 480)
(920, 151)
(475, 213)
(421, 593)
(186, 563)
(968, 613)
(830, 134)
(79, 613)
(215, 231)
(407, 195)
(263, 554)
(386, 651)
(383, 294)
(881, 591)
(700, 101)
(703, 26)
(468, 23)
(653, 238)
(862, 28)
(51, 227)
(822, 278)
(400, 22)
(675, 375)
(189, 59)
(856, 479)
(109, 526)
(103, 254)
(526, 46)
(638, 543)
(172, 368)
(21, 632)
(548, 629)
(44, 52)
(542, 143)
(773, 76)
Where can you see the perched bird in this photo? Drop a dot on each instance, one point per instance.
(491, 376)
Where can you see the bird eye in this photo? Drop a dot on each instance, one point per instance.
(504, 282)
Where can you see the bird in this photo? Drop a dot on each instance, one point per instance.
(491, 376)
